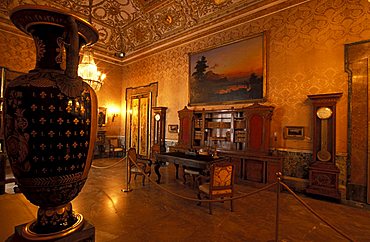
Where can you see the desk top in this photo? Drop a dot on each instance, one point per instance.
(188, 160)
(205, 158)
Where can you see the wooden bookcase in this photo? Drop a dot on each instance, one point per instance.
(242, 134)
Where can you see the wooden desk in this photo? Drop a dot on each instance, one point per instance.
(178, 158)
(255, 167)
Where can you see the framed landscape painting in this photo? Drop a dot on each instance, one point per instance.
(233, 73)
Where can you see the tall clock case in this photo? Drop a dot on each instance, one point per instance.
(159, 129)
(323, 172)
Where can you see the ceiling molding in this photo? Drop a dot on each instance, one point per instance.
(213, 27)
(142, 27)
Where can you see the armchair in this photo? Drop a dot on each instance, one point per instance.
(141, 165)
(221, 183)
(115, 147)
(193, 173)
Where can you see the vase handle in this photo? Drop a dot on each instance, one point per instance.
(72, 48)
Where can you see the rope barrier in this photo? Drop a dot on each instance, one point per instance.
(315, 213)
(109, 166)
(278, 183)
(202, 200)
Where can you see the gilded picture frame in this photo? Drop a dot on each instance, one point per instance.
(102, 116)
(293, 132)
(232, 73)
(173, 128)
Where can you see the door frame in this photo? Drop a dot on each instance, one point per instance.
(150, 90)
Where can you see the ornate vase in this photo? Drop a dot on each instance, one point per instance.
(50, 120)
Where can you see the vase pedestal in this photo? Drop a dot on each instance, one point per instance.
(87, 233)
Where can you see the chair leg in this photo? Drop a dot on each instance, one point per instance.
(193, 176)
(143, 180)
(199, 197)
(129, 178)
(231, 205)
(210, 207)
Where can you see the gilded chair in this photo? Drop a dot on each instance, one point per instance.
(137, 166)
(221, 183)
(115, 147)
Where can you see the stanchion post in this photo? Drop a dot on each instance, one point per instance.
(277, 206)
(127, 189)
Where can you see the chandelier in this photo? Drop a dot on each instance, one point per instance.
(88, 70)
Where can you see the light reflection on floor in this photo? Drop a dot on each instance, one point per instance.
(150, 214)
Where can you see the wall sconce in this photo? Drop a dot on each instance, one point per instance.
(113, 116)
(114, 111)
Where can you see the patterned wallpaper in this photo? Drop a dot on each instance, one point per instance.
(305, 55)
(17, 52)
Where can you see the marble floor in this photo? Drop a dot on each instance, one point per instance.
(151, 213)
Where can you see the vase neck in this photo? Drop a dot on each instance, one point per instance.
(49, 41)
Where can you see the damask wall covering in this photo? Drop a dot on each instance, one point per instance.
(305, 55)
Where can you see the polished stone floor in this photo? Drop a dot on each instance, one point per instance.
(151, 213)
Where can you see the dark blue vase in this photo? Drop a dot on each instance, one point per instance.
(50, 120)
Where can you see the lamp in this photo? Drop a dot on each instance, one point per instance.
(113, 116)
(88, 70)
(114, 111)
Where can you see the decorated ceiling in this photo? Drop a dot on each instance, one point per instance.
(136, 27)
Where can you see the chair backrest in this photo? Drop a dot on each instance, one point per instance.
(222, 178)
(131, 156)
(114, 142)
(155, 150)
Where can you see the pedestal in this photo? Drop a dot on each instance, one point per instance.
(86, 234)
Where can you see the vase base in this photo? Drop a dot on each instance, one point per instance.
(28, 234)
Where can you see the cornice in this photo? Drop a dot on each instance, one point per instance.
(214, 27)
(192, 23)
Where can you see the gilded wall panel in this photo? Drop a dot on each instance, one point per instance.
(359, 125)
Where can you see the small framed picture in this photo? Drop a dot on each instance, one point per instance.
(173, 128)
(293, 132)
(102, 116)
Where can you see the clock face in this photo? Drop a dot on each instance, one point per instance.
(324, 113)
(157, 117)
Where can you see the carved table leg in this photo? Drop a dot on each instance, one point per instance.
(177, 171)
(157, 165)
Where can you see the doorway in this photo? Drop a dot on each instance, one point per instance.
(139, 103)
(357, 66)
